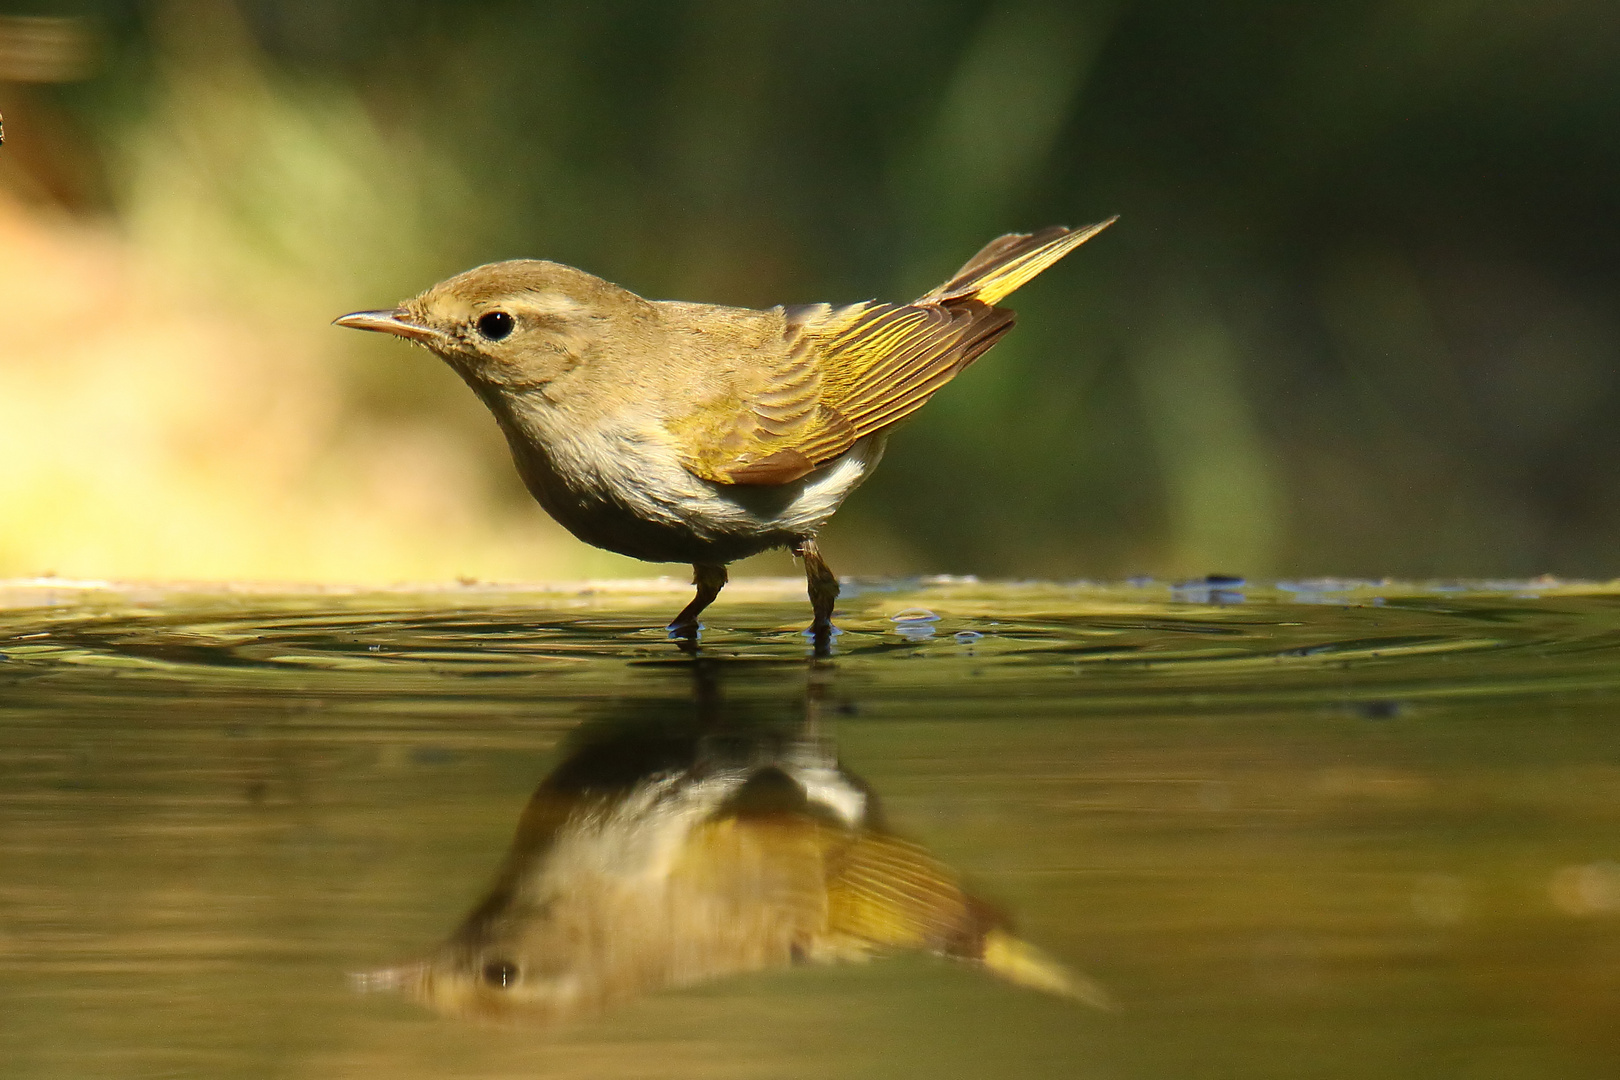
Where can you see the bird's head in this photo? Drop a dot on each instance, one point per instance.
(516, 969)
(518, 325)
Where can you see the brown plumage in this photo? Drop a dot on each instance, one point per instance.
(696, 433)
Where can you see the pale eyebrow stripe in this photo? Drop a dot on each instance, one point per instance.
(551, 305)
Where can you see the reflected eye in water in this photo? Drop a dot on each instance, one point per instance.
(500, 973)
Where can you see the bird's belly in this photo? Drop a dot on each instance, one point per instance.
(632, 496)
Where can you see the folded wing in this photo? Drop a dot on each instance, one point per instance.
(849, 372)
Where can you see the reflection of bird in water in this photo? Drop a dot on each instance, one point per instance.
(650, 859)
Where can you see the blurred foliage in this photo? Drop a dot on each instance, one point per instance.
(1359, 314)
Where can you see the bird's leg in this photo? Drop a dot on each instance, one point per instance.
(709, 578)
(823, 591)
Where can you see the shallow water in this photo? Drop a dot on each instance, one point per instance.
(1327, 830)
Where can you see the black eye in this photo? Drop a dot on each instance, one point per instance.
(501, 973)
(495, 324)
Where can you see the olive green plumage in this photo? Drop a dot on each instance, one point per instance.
(680, 432)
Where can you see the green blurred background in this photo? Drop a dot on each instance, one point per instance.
(1358, 316)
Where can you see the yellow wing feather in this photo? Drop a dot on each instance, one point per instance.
(885, 893)
(850, 372)
(892, 894)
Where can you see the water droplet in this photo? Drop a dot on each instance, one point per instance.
(914, 624)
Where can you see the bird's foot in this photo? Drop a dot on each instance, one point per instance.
(709, 579)
(823, 586)
(821, 635)
(686, 635)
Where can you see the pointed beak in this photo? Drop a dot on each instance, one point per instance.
(403, 978)
(398, 322)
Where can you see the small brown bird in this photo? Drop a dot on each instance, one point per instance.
(680, 432)
(657, 858)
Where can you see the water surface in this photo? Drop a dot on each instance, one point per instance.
(1322, 830)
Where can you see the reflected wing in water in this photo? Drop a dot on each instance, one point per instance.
(652, 859)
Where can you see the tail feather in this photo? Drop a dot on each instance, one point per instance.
(1022, 964)
(1008, 262)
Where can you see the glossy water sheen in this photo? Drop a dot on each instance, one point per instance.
(1310, 832)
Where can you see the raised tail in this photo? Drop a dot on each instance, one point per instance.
(1007, 262)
